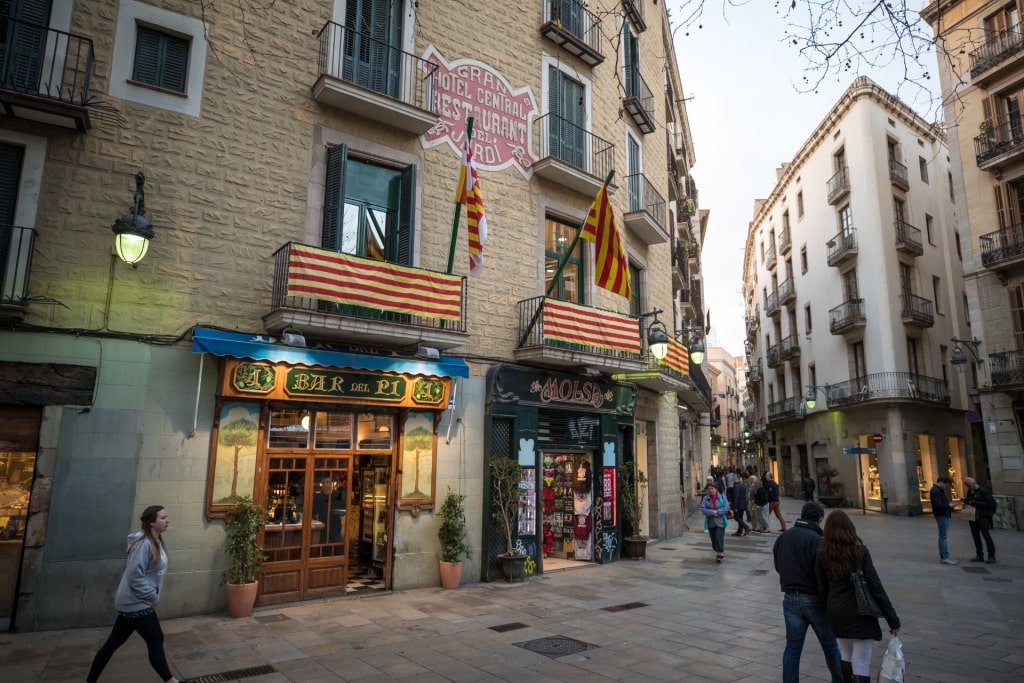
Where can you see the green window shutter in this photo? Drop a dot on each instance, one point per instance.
(161, 60)
(10, 179)
(334, 197)
(175, 71)
(147, 57)
(406, 216)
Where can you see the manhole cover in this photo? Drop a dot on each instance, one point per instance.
(503, 628)
(976, 570)
(624, 607)
(232, 675)
(555, 646)
(664, 548)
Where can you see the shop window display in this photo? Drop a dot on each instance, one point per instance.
(568, 506)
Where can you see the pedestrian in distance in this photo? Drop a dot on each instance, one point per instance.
(759, 499)
(730, 486)
(796, 555)
(942, 510)
(808, 486)
(774, 507)
(715, 508)
(138, 594)
(984, 505)
(843, 553)
(739, 506)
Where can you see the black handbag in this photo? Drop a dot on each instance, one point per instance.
(867, 606)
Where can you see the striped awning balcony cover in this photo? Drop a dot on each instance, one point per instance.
(568, 322)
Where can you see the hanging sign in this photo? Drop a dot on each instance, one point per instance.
(502, 116)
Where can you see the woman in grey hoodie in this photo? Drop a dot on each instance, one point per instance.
(137, 595)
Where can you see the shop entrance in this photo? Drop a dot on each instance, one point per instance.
(317, 490)
(19, 439)
(568, 500)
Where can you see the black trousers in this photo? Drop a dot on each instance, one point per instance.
(981, 528)
(148, 626)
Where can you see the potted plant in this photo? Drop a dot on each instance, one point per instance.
(245, 555)
(829, 475)
(506, 475)
(632, 499)
(452, 534)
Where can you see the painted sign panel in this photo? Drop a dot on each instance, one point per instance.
(502, 116)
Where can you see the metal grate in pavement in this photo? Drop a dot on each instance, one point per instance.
(996, 579)
(663, 548)
(233, 675)
(555, 646)
(504, 628)
(976, 570)
(625, 606)
(271, 618)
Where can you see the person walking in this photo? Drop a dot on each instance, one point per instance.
(759, 498)
(715, 508)
(942, 510)
(774, 507)
(984, 505)
(795, 553)
(138, 593)
(843, 553)
(730, 486)
(808, 486)
(739, 506)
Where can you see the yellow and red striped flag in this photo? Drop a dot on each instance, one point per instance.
(611, 270)
(470, 195)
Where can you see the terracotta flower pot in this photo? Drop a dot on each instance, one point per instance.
(241, 598)
(451, 574)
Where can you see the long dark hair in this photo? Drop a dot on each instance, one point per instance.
(147, 519)
(842, 546)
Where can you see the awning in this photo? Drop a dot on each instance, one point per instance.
(264, 347)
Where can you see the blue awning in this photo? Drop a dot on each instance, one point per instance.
(264, 347)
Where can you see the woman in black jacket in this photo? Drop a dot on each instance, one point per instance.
(843, 553)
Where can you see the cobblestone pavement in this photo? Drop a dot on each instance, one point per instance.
(676, 616)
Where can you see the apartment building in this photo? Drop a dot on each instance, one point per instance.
(853, 292)
(726, 414)
(981, 72)
(288, 311)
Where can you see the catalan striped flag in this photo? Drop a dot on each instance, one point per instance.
(611, 269)
(470, 195)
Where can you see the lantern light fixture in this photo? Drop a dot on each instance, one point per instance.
(133, 231)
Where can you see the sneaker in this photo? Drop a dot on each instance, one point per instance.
(977, 558)
(949, 560)
(719, 557)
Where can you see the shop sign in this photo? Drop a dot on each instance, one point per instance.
(326, 383)
(502, 116)
(554, 390)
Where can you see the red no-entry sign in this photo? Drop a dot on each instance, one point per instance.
(877, 438)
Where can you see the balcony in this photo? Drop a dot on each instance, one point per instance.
(787, 408)
(995, 56)
(45, 75)
(680, 267)
(917, 311)
(16, 248)
(361, 75)
(999, 146)
(770, 257)
(755, 373)
(785, 243)
(638, 101)
(646, 214)
(560, 334)
(674, 373)
(696, 302)
(888, 386)
(1002, 248)
(635, 11)
(753, 324)
(908, 239)
(842, 247)
(771, 304)
(1007, 369)
(571, 156)
(574, 28)
(787, 292)
(898, 175)
(773, 358)
(789, 347)
(838, 186)
(365, 301)
(847, 317)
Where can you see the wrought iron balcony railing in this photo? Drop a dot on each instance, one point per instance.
(770, 257)
(771, 303)
(570, 25)
(995, 141)
(643, 196)
(16, 248)
(787, 291)
(1007, 368)
(789, 347)
(1002, 246)
(842, 246)
(787, 407)
(574, 145)
(898, 174)
(908, 238)
(846, 316)
(998, 48)
(545, 322)
(838, 185)
(917, 310)
(638, 100)
(887, 386)
(784, 241)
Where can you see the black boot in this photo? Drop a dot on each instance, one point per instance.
(991, 558)
(978, 558)
(862, 679)
(847, 672)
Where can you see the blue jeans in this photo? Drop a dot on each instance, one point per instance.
(943, 522)
(800, 611)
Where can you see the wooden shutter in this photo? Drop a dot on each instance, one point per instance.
(1001, 213)
(174, 73)
(334, 198)
(10, 178)
(147, 57)
(1015, 299)
(24, 44)
(406, 216)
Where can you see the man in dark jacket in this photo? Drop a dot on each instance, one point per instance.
(739, 505)
(942, 509)
(985, 506)
(795, 554)
(774, 506)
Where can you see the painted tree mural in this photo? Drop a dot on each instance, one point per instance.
(237, 435)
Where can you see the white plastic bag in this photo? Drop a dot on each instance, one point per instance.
(893, 664)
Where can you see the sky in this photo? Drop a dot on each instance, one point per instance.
(746, 119)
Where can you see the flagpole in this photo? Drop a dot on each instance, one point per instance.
(458, 204)
(558, 271)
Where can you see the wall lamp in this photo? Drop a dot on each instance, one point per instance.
(657, 335)
(696, 346)
(810, 396)
(957, 357)
(133, 231)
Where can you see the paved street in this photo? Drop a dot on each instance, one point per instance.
(677, 616)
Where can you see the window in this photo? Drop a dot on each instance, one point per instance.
(368, 208)
(558, 237)
(913, 363)
(860, 365)
(800, 204)
(923, 165)
(374, 28)
(161, 60)
(851, 288)
(807, 319)
(631, 61)
(949, 180)
(899, 209)
(803, 260)
(567, 133)
(937, 293)
(1016, 301)
(846, 221)
(906, 280)
(636, 303)
(928, 220)
(634, 168)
